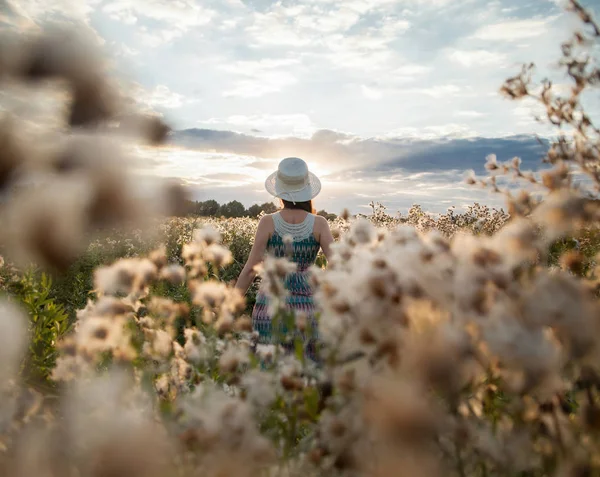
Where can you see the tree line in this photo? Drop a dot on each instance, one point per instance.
(211, 208)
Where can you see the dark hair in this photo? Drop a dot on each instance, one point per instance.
(307, 206)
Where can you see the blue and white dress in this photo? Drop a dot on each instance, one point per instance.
(303, 252)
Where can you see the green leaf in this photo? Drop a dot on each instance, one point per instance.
(299, 349)
(311, 402)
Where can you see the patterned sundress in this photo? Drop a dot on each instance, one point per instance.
(303, 252)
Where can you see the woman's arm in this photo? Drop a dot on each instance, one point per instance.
(325, 237)
(248, 274)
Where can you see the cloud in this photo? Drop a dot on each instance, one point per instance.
(366, 6)
(270, 125)
(303, 78)
(38, 10)
(513, 30)
(477, 58)
(368, 48)
(270, 29)
(258, 67)
(159, 97)
(31, 15)
(14, 17)
(317, 57)
(169, 19)
(451, 130)
(370, 93)
(460, 155)
(223, 180)
(121, 13)
(469, 114)
(151, 39)
(394, 81)
(317, 23)
(257, 78)
(122, 50)
(437, 91)
(336, 151)
(354, 34)
(411, 70)
(323, 21)
(190, 164)
(271, 82)
(397, 170)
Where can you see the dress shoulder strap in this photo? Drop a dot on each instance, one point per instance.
(300, 231)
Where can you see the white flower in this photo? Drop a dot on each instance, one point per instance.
(260, 388)
(207, 234)
(217, 254)
(173, 273)
(234, 356)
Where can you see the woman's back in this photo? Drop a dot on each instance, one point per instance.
(296, 242)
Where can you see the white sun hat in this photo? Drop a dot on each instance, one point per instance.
(292, 181)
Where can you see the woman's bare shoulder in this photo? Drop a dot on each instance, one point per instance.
(266, 221)
(268, 217)
(322, 221)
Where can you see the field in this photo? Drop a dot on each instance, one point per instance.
(464, 344)
(71, 289)
(184, 344)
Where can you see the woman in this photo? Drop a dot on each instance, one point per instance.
(295, 226)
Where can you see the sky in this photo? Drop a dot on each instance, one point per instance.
(386, 100)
